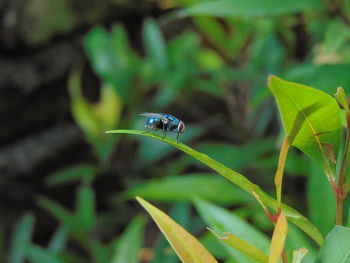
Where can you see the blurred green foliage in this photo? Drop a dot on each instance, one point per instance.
(213, 74)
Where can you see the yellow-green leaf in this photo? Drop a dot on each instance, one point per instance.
(299, 254)
(341, 97)
(186, 246)
(239, 180)
(243, 246)
(278, 239)
(311, 118)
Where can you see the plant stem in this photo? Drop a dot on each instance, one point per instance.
(280, 169)
(284, 256)
(339, 191)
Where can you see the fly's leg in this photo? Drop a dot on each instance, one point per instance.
(164, 130)
(177, 137)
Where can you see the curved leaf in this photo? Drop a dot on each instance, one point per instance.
(311, 118)
(239, 180)
(187, 247)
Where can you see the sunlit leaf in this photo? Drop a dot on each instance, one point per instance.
(239, 180)
(310, 117)
(278, 239)
(187, 247)
(180, 213)
(244, 246)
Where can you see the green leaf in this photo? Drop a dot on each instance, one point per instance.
(239, 180)
(244, 246)
(326, 77)
(187, 186)
(59, 239)
(21, 239)
(181, 213)
(82, 110)
(321, 200)
(250, 8)
(85, 207)
(37, 254)
(341, 97)
(336, 248)
(311, 118)
(222, 220)
(130, 242)
(337, 33)
(84, 172)
(155, 45)
(112, 59)
(297, 239)
(278, 239)
(187, 247)
(299, 254)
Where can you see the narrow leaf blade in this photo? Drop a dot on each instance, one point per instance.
(278, 238)
(187, 247)
(239, 180)
(245, 247)
(21, 239)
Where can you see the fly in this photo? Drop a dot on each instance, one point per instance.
(164, 122)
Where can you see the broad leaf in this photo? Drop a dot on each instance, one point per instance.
(187, 247)
(311, 118)
(250, 8)
(278, 239)
(239, 180)
(336, 247)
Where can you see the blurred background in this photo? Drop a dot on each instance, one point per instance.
(70, 70)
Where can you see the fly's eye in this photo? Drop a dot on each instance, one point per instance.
(181, 127)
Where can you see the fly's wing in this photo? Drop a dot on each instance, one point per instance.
(155, 115)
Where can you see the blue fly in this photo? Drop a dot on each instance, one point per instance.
(164, 122)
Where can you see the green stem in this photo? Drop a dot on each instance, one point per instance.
(339, 191)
